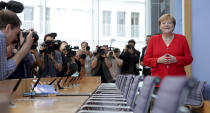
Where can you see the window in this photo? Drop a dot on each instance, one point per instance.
(158, 8)
(121, 24)
(134, 24)
(47, 28)
(28, 17)
(106, 23)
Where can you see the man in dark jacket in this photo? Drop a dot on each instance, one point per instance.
(146, 69)
(130, 57)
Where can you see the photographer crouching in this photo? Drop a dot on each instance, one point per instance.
(101, 64)
(50, 56)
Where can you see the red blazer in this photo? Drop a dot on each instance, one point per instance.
(178, 48)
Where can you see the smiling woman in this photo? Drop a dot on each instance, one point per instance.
(167, 53)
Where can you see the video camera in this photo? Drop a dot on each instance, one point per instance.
(70, 50)
(50, 46)
(99, 51)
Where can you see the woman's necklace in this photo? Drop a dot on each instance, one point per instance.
(168, 40)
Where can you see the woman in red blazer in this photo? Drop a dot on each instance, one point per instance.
(167, 53)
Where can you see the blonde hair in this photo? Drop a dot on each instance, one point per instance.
(165, 17)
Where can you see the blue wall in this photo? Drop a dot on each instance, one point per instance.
(201, 40)
(178, 16)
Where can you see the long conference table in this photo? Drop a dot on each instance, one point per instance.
(50, 104)
(55, 104)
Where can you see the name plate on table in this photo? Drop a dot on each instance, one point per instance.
(42, 90)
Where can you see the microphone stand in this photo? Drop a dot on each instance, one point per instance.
(14, 90)
(58, 83)
(65, 80)
(52, 81)
(32, 93)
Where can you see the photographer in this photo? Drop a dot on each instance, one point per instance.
(26, 66)
(88, 59)
(101, 64)
(9, 30)
(51, 57)
(116, 62)
(130, 58)
(38, 62)
(81, 56)
(63, 55)
(73, 65)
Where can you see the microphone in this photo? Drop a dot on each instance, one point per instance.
(52, 82)
(32, 92)
(36, 83)
(14, 6)
(111, 41)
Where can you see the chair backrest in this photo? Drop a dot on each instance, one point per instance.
(123, 83)
(132, 91)
(171, 94)
(127, 85)
(195, 96)
(145, 96)
(120, 81)
(117, 79)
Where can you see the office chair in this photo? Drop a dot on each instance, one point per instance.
(127, 103)
(142, 103)
(171, 95)
(194, 99)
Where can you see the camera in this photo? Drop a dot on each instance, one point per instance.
(24, 34)
(57, 44)
(88, 48)
(129, 47)
(100, 51)
(49, 46)
(82, 56)
(111, 51)
(35, 36)
(69, 49)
